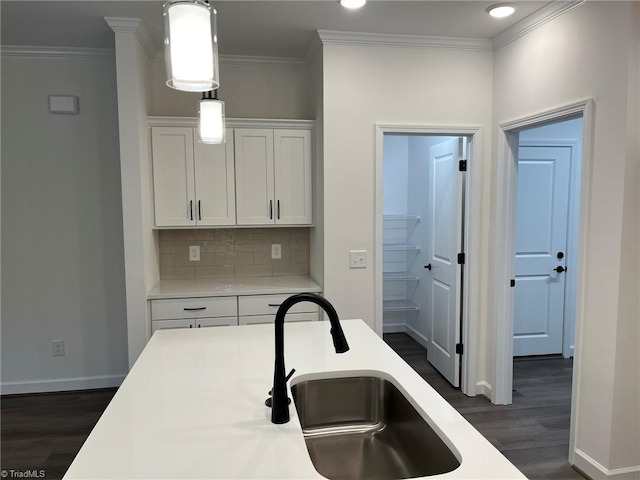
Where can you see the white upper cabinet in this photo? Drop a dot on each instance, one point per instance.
(254, 176)
(273, 176)
(292, 175)
(262, 175)
(173, 176)
(193, 182)
(215, 185)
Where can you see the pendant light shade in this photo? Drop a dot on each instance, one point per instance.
(191, 45)
(211, 123)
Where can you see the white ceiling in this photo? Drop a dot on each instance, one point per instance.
(264, 28)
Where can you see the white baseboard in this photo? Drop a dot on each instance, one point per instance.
(61, 384)
(593, 469)
(484, 389)
(417, 336)
(394, 328)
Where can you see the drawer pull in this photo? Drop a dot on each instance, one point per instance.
(275, 304)
(194, 309)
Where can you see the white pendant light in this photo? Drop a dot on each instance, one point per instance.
(190, 45)
(211, 123)
(352, 4)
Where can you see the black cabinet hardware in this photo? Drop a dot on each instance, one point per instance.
(195, 309)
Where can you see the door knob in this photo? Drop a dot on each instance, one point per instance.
(428, 266)
(560, 269)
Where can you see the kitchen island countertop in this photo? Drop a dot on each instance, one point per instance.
(193, 407)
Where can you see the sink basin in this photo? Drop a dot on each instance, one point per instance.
(364, 428)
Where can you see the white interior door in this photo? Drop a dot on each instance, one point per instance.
(444, 244)
(541, 247)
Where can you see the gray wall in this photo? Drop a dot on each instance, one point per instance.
(62, 248)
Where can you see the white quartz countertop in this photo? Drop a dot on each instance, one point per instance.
(193, 407)
(238, 286)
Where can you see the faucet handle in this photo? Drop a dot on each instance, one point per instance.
(286, 379)
(268, 401)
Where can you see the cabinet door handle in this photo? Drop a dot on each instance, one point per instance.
(199, 211)
(191, 210)
(275, 304)
(195, 309)
(270, 209)
(278, 209)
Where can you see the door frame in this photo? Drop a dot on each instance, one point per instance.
(572, 238)
(472, 229)
(503, 246)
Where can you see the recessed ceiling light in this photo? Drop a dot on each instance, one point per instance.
(352, 4)
(501, 10)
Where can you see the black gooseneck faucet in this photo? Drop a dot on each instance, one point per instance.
(279, 399)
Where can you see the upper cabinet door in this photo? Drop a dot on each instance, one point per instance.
(293, 187)
(215, 183)
(254, 176)
(173, 176)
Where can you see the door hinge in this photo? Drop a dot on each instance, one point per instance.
(459, 348)
(461, 258)
(462, 165)
(512, 282)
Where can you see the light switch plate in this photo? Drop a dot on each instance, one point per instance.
(276, 251)
(358, 259)
(194, 253)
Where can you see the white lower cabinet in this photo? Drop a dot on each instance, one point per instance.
(254, 309)
(193, 312)
(290, 317)
(226, 311)
(193, 323)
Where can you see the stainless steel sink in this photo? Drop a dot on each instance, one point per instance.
(364, 428)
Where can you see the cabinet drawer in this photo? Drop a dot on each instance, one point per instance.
(268, 305)
(209, 307)
(290, 317)
(216, 322)
(171, 324)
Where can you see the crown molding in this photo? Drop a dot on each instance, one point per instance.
(159, 121)
(55, 52)
(261, 61)
(136, 27)
(534, 21)
(252, 60)
(330, 37)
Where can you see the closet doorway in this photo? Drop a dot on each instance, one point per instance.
(423, 243)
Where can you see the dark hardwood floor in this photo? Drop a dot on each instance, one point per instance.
(45, 431)
(532, 432)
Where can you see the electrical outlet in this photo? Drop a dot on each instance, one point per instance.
(57, 347)
(194, 253)
(276, 251)
(358, 259)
